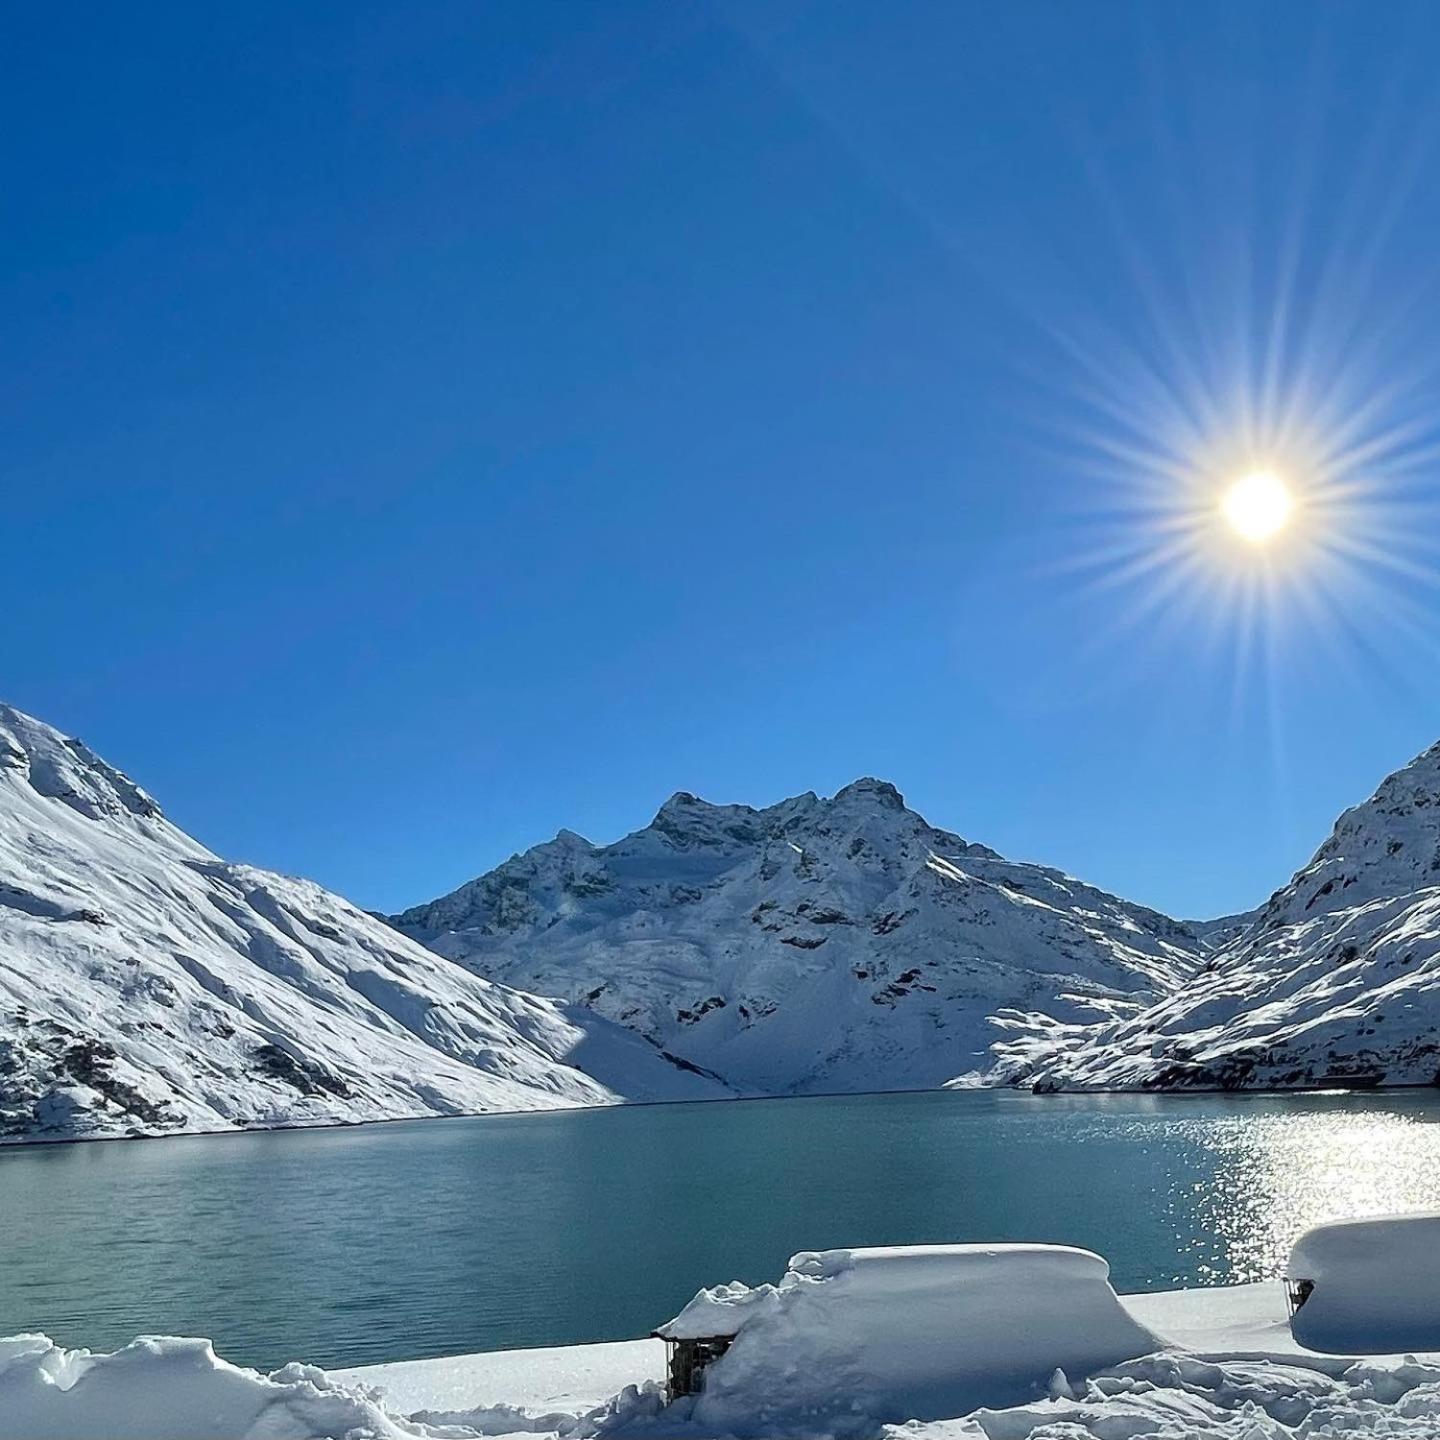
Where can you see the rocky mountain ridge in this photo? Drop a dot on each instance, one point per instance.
(813, 945)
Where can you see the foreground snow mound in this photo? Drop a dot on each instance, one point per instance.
(817, 945)
(1376, 1285)
(852, 1337)
(1336, 981)
(168, 1389)
(164, 1388)
(147, 986)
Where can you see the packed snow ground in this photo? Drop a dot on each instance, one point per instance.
(148, 987)
(1242, 1379)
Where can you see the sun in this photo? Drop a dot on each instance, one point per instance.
(1257, 506)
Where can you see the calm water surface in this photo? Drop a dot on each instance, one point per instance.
(439, 1237)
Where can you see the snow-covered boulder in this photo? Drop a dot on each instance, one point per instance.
(849, 1338)
(1376, 1285)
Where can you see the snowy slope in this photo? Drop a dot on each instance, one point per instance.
(819, 944)
(1336, 979)
(146, 985)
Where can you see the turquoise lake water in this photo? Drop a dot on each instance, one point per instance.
(389, 1242)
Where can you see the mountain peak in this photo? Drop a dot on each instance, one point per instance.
(1387, 845)
(151, 987)
(882, 792)
(812, 944)
(59, 767)
(681, 801)
(1333, 982)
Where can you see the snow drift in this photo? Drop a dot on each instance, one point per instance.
(164, 1389)
(169, 1389)
(1376, 1285)
(851, 1337)
(148, 987)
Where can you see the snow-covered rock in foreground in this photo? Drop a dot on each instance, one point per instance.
(817, 945)
(147, 986)
(909, 1332)
(1335, 981)
(1376, 1285)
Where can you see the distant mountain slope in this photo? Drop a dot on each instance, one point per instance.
(1223, 931)
(148, 986)
(819, 944)
(1337, 978)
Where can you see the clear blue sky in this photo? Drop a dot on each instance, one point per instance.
(427, 426)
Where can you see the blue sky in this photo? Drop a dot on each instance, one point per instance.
(428, 426)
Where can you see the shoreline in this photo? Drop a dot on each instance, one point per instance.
(8, 1143)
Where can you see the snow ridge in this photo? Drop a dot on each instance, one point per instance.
(819, 944)
(147, 986)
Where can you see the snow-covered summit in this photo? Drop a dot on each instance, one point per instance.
(817, 944)
(61, 768)
(1335, 980)
(1387, 846)
(146, 985)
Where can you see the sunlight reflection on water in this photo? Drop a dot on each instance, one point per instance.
(1260, 1180)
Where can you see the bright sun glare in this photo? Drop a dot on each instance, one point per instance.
(1251, 447)
(1258, 506)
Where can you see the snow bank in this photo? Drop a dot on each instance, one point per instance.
(1377, 1285)
(168, 1389)
(851, 1337)
(1183, 1397)
(164, 1389)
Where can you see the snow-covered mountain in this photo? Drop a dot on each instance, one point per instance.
(148, 986)
(1336, 979)
(817, 945)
